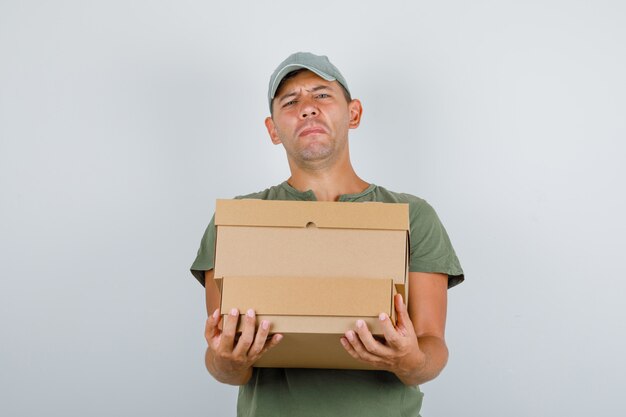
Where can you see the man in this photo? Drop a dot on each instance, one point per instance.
(311, 114)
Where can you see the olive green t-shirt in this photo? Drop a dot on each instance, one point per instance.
(293, 392)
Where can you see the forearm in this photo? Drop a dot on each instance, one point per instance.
(416, 372)
(231, 377)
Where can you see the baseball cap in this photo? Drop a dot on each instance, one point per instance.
(319, 64)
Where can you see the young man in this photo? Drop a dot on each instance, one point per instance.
(311, 114)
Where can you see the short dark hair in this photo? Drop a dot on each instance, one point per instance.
(291, 75)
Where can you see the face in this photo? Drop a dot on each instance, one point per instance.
(311, 118)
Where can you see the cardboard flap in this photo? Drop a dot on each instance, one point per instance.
(321, 214)
(355, 297)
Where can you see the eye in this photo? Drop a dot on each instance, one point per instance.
(289, 103)
(323, 95)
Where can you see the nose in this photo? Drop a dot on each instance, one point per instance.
(308, 109)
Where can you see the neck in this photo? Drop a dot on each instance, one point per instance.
(327, 183)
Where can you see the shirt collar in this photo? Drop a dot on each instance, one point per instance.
(309, 195)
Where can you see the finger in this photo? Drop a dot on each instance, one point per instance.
(247, 334)
(273, 341)
(371, 345)
(229, 330)
(352, 352)
(211, 329)
(348, 347)
(389, 330)
(360, 350)
(404, 323)
(260, 339)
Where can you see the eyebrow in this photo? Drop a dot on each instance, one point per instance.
(314, 89)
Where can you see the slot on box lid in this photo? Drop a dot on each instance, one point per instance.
(324, 214)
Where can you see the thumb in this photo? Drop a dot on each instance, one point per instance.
(404, 322)
(211, 328)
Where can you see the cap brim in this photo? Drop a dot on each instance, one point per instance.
(292, 67)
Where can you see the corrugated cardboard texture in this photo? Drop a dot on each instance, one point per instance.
(310, 252)
(290, 296)
(323, 214)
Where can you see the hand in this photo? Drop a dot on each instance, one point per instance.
(232, 359)
(400, 353)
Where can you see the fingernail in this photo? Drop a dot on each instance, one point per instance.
(360, 323)
(265, 324)
(382, 316)
(350, 335)
(343, 341)
(234, 312)
(250, 313)
(216, 314)
(279, 337)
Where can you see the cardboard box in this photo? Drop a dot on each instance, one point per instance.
(312, 269)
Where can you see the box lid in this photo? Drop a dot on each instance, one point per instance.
(322, 214)
(350, 240)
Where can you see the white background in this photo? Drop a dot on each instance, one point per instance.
(121, 123)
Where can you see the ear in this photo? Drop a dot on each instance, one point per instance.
(355, 110)
(271, 130)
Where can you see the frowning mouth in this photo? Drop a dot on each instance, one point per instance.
(313, 130)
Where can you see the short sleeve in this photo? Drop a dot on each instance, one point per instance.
(431, 250)
(205, 259)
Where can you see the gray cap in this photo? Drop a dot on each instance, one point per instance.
(319, 64)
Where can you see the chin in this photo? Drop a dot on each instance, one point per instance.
(315, 155)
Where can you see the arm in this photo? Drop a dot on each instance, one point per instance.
(428, 305)
(230, 361)
(415, 349)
